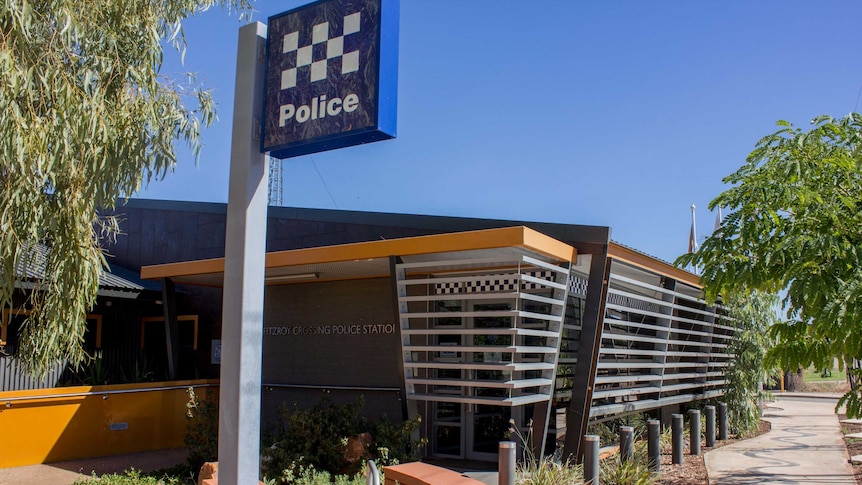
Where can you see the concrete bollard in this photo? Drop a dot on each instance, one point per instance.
(654, 444)
(722, 420)
(591, 459)
(627, 443)
(506, 463)
(373, 476)
(709, 413)
(676, 435)
(694, 431)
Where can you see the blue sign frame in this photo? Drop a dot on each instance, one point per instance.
(331, 76)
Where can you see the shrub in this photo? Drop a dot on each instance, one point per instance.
(318, 439)
(201, 437)
(549, 471)
(635, 472)
(298, 475)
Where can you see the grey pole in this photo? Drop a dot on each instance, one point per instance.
(506, 463)
(709, 412)
(591, 459)
(722, 420)
(654, 444)
(245, 248)
(676, 430)
(373, 476)
(627, 440)
(694, 431)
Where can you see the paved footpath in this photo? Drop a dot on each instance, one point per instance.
(805, 446)
(66, 473)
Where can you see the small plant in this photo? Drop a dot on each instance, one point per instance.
(94, 372)
(132, 477)
(201, 430)
(141, 371)
(633, 472)
(542, 470)
(549, 471)
(299, 475)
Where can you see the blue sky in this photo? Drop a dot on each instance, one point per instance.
(617, 113)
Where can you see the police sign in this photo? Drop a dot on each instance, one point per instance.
(331, 73)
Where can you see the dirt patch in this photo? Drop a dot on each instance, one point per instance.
(854, 445)
(827, 386)
(692, 471)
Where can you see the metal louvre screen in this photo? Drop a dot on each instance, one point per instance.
(488, 336)
(661, 344)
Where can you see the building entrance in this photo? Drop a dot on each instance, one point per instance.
(467, 429)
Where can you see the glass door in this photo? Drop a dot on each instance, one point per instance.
(487, 424)
(447, 439)
(448, 430)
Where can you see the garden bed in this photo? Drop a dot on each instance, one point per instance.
(854, 445)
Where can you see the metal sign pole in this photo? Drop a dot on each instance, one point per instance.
(245, 257)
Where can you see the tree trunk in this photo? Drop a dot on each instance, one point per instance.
(793, 381)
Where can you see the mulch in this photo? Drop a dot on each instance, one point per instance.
(692, 471)
(854, 445)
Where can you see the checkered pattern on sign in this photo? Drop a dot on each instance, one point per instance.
(334, 50)
(491, 283)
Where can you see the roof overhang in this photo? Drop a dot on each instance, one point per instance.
(641, 260)
(372, 259)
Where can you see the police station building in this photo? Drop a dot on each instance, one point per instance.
(467, 323)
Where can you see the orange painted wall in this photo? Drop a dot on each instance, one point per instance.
(43, 429)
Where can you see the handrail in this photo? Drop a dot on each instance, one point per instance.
(9, 400)
(335, 388)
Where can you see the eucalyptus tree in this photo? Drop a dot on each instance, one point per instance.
(795, 225)
(86, 119)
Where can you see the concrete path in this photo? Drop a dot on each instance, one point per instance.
(805, 446)
(67, 472)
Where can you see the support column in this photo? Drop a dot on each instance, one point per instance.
(578, 412)
(172, 331)
(245, 255)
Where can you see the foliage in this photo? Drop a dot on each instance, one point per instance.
(634, 472)
(201, 436)
(752, 317)
(549, 471)
(95, 372)
(553, 470)
(794, 226)
(133, 477)
(299, 475)
(318, 439)
(87, 118)
(543, 470)
(609, 431)
(142, 370)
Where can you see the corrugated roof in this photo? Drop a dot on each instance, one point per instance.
(114, 279)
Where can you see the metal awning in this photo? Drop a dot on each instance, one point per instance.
(372, 259)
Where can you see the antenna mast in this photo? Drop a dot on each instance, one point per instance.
(276, 181)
